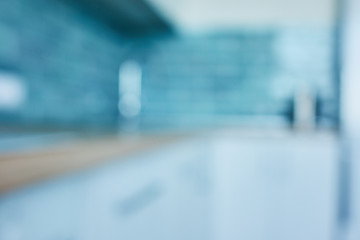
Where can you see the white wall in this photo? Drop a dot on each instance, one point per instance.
(351, 71)
(351, 109)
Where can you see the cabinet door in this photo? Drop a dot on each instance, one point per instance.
(275, 188)
(124, 201)
(157, 196)
(43, 212)
(188, 200)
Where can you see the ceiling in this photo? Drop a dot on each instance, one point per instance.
(193, 16)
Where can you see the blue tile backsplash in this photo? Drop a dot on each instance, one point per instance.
(69, 64)
(252, 72)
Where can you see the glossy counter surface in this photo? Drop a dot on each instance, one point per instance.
(33, 157)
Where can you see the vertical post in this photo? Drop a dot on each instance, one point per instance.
(344, 181)
(350, 117)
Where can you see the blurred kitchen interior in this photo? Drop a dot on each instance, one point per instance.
(191, 119)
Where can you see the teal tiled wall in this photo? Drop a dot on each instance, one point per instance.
(69, 64)
(248, 73)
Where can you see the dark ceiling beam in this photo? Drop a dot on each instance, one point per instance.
(128, 17)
